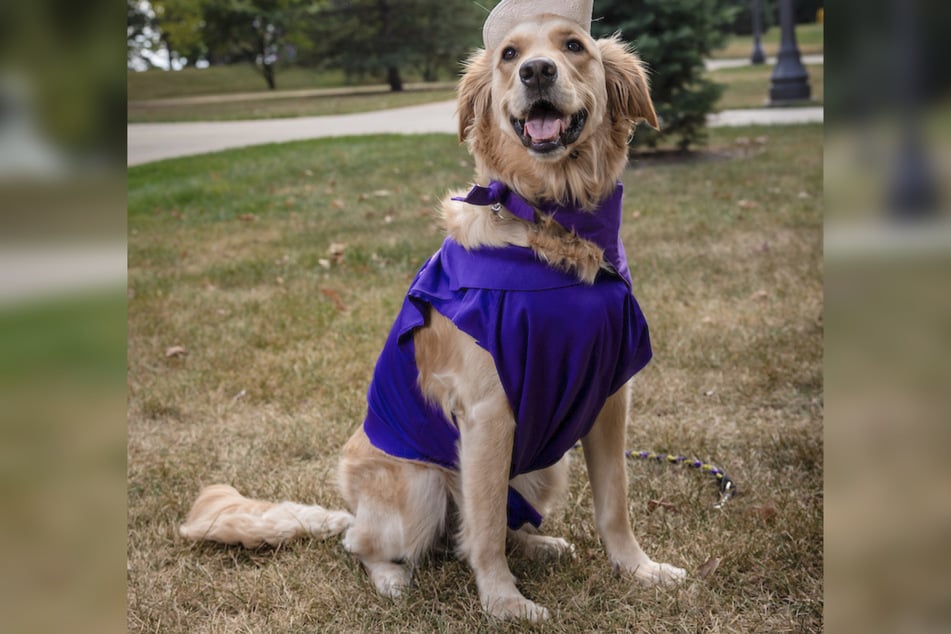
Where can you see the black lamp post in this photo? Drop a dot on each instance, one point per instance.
(758, 57)
(912, 191)
(789, 81)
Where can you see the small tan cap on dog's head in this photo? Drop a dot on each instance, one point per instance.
(509, 13)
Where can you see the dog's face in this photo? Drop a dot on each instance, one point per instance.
(550, 110)
(548, 85)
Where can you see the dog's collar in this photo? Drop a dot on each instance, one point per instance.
(602, 225)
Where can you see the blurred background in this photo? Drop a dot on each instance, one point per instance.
(63, 111)
(62, 315)
(888, 316)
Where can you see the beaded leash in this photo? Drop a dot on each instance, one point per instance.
(726, 485)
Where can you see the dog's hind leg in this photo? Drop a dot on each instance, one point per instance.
(399, 509)
(607, 470)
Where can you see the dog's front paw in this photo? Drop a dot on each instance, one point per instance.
(514, 607)
(651, 573)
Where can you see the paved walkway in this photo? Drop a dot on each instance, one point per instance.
(720, 64)
(156, 141)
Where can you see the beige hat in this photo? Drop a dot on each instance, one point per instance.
(508, 13)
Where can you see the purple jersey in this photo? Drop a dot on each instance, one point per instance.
(561, 348)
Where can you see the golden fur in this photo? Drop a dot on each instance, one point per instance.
(400, 508)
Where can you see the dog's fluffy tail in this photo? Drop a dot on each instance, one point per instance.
(221, 514)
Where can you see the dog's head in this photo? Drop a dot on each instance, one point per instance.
(549, 110)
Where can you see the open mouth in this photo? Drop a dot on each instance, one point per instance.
(546, 129)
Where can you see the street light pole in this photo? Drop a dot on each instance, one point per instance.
(789, 82)
(758, 57)
(913, 192)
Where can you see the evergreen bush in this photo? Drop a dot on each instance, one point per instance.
(673, 37)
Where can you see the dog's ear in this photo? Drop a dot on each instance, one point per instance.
(626, 80)
(475, 91)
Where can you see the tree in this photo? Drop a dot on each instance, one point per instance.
(180, 24)
(251, 30)
(386, 36)
(673, 37)
(742, 23)
(139, 23)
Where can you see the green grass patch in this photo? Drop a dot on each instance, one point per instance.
(269, 107)
(809, 38)
(748, 86)
(215, 80)
(276, 271)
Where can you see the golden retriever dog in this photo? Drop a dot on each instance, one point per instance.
(481, 390)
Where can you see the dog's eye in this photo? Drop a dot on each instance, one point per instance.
(574, 46)
(509, 53)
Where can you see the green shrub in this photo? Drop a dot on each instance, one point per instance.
(673, 37)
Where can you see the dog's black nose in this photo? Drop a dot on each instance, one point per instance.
(538, 72)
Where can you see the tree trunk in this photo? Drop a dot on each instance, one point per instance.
(268, 71)
(394, 79)
(168, 51)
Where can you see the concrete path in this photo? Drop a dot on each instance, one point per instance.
(720, 64)
(155, 141)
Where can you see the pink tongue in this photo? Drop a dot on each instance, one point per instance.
(545, 127)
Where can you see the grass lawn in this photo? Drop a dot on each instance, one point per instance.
(267, 108)
(748, 86)
(808, 38)
(215, 80)
(236, 259)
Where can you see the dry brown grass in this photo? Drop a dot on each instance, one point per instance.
(726, 257)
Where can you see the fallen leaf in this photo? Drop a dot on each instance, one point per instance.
(336, 251)
(760, 294)
(708, 567)
(747, 204)
(766, 512)
(653, 504)
(334, 296)
(175, 351)
(337, 203)
(247, 217)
